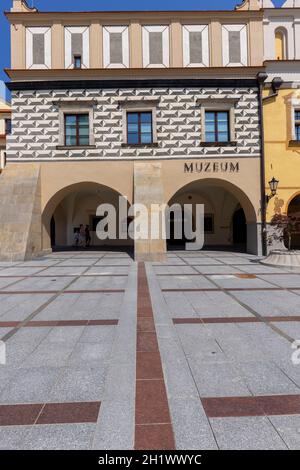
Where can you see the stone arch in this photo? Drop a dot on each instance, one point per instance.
(73, 194)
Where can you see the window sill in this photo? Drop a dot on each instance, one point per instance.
(218, 144)
(75, 147)
(153, 144)
(294, 143)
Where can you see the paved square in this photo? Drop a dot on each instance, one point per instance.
(106, 353)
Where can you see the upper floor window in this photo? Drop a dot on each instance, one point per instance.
(139, 128)
(76, 130)
(77, 45)
(217, 127)
(297, 125)
(77, 62)
(234, 42)
(7, 126)
(116, 46)
(156, 46)
(280, 44)
(195, 46)
(38, 47)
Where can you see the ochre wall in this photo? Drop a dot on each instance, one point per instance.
(282, 157)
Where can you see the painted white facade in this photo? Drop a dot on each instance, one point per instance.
(287, 20)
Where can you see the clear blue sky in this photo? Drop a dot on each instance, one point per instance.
(65, 5)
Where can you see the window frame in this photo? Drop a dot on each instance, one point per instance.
(6, 120)
(75, 107)
(218, 104)
(139, 113)
(216, 126)
(296, 124)
(78, 144)
(77, 57)
(139, 105)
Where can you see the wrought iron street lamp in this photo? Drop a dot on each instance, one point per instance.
(273, 184)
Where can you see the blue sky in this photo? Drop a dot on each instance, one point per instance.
(65, 5)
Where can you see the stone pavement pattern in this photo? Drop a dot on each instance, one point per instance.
(106, 353)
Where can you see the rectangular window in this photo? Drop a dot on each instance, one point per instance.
(7, 126)
(76, 129)
(139, 128)
(217, 126)
(297, 125)
(77, 61)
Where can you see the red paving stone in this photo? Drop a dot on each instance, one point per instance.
(49, 413)
(203, 320)
(225, 407)
(153, 427)
(53, 323)
(19, 415)
(63, 413)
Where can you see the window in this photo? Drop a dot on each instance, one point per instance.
(76, 129)
(297, 125)
(280, 44)
(139, 128)
(217, 126)
(7, 126)
(77, 61)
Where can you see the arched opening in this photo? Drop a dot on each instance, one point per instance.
(52, 231)
(229, 217)
(280, 44)
(239, 228)
(76, 205)
(294, 210)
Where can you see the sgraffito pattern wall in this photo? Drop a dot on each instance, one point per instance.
(36, 128)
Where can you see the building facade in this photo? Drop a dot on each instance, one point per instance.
(5, 130)
(282, 108)
(159, 107)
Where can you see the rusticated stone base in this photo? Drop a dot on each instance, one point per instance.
(20, 212)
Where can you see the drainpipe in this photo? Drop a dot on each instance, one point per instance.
(261, 78)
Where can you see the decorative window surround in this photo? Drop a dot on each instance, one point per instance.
(82, 31)
(227, 31)
(44, 32)
(295, 106)
(75, 107)
(162, 49)
(141, 105)
(202, 30)
(219, 104)
(108, 32)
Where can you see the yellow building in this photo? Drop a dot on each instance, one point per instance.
(282, 109)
